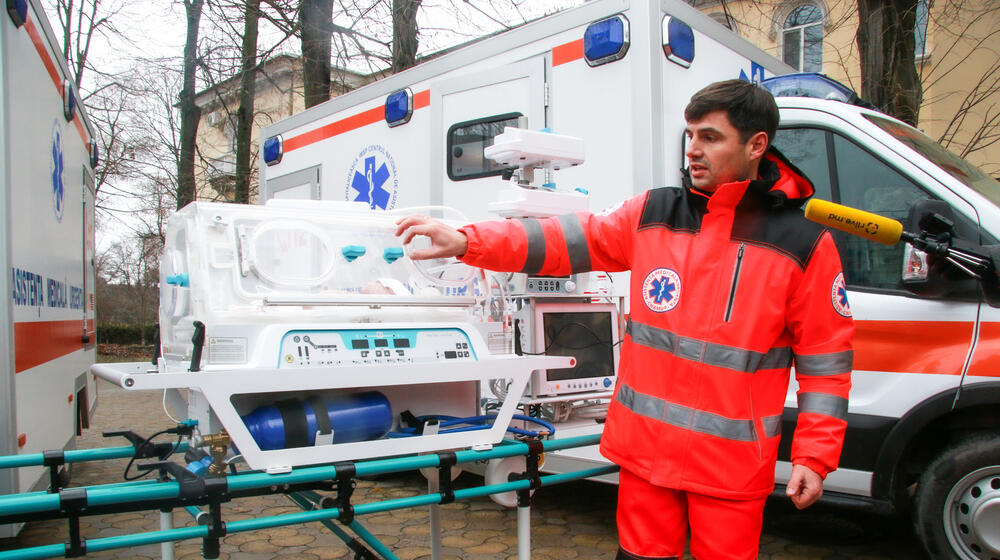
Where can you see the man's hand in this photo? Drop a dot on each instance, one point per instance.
(446, 241)
(804, 486)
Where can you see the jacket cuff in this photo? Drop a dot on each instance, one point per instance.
(814, 465)
(472, 248)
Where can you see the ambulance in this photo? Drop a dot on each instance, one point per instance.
(47, 159)
(923, 433)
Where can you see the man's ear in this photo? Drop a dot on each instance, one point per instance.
(757, 145)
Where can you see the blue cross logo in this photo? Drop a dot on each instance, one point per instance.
(57, 167)
(370, 184)
(842, 292)
(663, 290)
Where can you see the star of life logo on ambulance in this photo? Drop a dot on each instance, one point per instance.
(56, 167)
(838, 296)
(372, 179)
(661, 290)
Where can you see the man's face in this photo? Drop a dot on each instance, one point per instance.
(716, 154)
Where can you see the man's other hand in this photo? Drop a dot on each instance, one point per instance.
(446, 241)
(804, 486)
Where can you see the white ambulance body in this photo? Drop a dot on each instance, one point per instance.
(927, 369)
(46, 255)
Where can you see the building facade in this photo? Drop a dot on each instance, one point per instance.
(279, 94)
(956, 59)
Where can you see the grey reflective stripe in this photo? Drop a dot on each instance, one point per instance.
(536, 245)
(823, 403)
(684, 417)
(576, 243)
(772, 425)
(825, 364)
(729, 357)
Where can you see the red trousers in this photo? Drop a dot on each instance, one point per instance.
(653, 522)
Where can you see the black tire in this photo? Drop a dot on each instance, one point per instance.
(956, 511)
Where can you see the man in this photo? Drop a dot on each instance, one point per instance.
(729, 286)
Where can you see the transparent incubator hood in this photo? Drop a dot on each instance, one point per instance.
(237, 263)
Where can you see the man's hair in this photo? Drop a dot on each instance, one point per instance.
(751, 109)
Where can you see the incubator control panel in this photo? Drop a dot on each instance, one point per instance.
(326, 348)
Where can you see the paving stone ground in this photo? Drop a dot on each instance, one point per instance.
(570, 521)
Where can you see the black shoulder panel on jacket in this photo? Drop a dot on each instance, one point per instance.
(673, 208)
(781, 229)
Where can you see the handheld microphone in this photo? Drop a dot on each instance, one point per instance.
(857, 222)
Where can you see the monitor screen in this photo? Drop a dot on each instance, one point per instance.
(586, 331)
(585, 335)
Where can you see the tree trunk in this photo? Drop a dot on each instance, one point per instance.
(244, 115)
(316, 21)
(886, 43)
(190, 112)
(404, 33)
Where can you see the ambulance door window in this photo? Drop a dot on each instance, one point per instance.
(466, 142)
(300, 185)
(807, 149)
(867, 183)
(843, 172)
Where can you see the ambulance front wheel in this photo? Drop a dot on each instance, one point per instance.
(957, 506)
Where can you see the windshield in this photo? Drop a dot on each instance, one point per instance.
(957, 167)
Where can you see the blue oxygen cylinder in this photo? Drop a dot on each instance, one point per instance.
(294, 422)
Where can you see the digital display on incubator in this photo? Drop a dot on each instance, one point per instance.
(401, 343)
(381, 343)
(359, 344)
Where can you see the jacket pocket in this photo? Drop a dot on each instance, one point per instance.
(735, 283)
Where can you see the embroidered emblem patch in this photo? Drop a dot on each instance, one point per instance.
(838, 295)
(661, 290)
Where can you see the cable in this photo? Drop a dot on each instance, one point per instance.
(554, 337)
(144, 444)
(167, 412)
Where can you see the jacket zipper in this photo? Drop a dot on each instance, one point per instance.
(736, 280)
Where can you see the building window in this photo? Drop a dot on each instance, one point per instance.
(802, 37)
(920, 30)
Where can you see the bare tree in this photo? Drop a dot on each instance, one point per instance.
(316, 25)
(404, 33)
(245, 114)
(190, 112)
(81, 24)
(886, 43)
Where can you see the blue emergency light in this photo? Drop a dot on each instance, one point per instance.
(606, 40)
(18, 10)
(399, 107)
(274, 148)
(69, 100)
(814, 85)
(95, 154)
(678, 41)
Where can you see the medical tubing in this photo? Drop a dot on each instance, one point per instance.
(453, 421)
(137, 492)
(201, 531)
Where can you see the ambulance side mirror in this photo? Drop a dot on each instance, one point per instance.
(923, 276)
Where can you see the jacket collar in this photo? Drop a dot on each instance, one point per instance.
(779, 182)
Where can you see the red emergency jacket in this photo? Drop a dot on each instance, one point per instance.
(727, 291)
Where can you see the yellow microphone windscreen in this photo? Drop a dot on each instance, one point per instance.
(858, 222)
